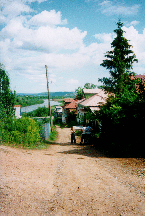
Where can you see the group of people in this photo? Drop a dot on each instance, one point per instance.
(85, 137)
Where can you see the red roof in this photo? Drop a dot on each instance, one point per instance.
(73, 104)
(68, 100)
(140, 77)
(17, 106)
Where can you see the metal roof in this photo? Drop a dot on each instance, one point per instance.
(92, 91)
(95, 100)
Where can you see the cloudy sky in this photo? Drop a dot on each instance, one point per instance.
(69, 36)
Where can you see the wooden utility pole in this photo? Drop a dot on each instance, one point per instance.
(48, 93)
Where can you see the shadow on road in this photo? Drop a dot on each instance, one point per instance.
(86, 150)
(94, 151)
(89, 151)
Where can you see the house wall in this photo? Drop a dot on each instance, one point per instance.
(18, 112)
(80, 115)
(64, 116)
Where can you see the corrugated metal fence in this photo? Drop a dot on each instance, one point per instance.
(45, 131)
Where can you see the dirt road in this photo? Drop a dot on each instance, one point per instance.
(67, 179)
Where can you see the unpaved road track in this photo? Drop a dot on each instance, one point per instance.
(67, 179)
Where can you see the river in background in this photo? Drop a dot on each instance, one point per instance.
(33, 107)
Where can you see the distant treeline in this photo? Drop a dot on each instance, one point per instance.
(52, 94)
(24, 99)
(28, 100)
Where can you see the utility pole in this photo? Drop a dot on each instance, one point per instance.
(48, 94)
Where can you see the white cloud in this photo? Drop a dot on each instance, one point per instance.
(45, 38)
(105, 38)
(134, 23)
(137, 41)
(110, 8)
(26, 46)
(12, 10)
(47, 18)
(2, 19)
(16, 8)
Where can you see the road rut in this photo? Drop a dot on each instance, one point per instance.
(67, 179)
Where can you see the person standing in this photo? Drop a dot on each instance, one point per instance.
(83, 138)
(88, 133)
(73, 139)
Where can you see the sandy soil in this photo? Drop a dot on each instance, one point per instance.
(67, 179)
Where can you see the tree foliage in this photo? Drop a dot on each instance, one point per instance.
(122, 117)
(28, 100)
(7, 97)
(39, 112)
(79, 91)
(119, 61)
(89, 86)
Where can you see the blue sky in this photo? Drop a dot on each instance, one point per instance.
(69, 36)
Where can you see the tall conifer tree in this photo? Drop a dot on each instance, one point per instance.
(119, 61)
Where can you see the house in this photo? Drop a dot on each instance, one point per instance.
(64, 113)
(141, 77)
(17, 111)
(58, 112)
(93, 102)
(91, 92)
(69, 106)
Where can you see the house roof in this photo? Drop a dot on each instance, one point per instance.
(58, 107)
(68, 100)
(73, 104)
(17, 106)
(92, 91)
(140, 77)
(59, 110)
(95, 100)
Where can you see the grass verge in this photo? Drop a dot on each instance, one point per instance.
(53, 135)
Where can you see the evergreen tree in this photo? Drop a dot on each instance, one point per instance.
(119, 62)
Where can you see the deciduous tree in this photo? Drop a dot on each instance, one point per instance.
(89, 86)
(7, 97)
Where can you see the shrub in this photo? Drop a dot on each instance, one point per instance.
(39, 112)
(24, 131)
(28, 128)
(78, 132)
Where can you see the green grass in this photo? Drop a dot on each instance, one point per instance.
(40, 145)
(53, 135)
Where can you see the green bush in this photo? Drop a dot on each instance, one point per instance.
(39, 112)
(78, 132)
(23, 131)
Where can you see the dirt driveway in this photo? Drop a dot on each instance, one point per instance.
(67, 179)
